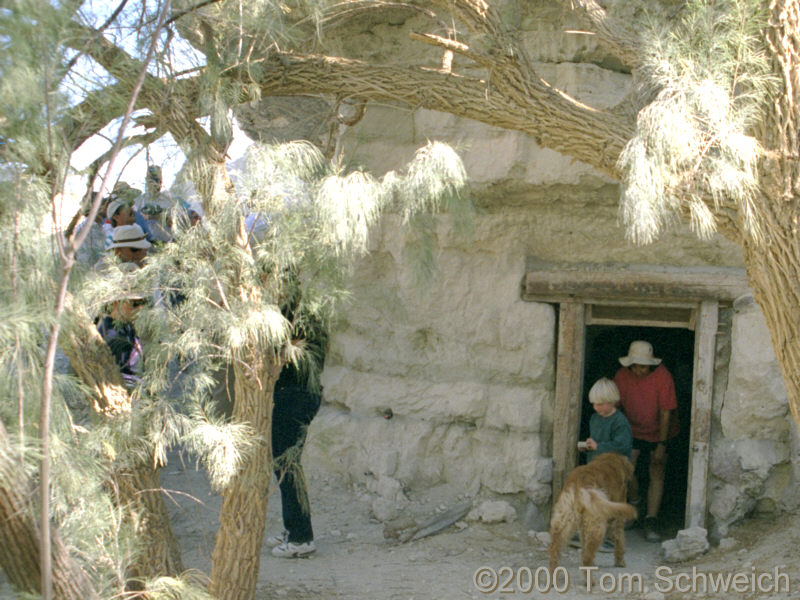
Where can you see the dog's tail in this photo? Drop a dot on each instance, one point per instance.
(597, 501)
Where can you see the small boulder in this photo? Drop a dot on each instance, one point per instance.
(493, 511)
(688, 544)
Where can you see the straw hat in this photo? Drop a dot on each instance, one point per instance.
(129, 236)
(126, 285)
(639, 353)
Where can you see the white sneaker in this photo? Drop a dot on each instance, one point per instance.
(277, 540)
(292, 550)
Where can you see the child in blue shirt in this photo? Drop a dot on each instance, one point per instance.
(609, 430)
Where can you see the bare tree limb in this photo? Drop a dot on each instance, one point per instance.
(614, 35)
(512, 96)
(551, 117)
(452, 45)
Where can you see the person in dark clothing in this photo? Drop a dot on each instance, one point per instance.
(295, 404)
(297, 399)
(294, 408)
(116, 329)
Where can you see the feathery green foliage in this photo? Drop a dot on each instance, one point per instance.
(306, 224)
(262, 276)
(186, 587)
(35, 94)
(709, 79)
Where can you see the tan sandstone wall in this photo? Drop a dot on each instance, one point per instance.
(465, 368)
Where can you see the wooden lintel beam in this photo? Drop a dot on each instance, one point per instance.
(554, 283)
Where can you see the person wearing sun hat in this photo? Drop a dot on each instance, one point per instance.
(120, 211)
(129, 243)
(647, 396)
(116, 324)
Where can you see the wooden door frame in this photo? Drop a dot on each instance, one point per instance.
(571, 354)
(575, 288)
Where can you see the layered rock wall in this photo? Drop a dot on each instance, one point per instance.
(453, 383)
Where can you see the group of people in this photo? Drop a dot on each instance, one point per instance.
(128, 226)
(635, 416)
(131, 222)
(634, 413)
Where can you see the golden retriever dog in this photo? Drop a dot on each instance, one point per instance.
(593, 498)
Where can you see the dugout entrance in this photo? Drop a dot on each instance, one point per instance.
(601, 308)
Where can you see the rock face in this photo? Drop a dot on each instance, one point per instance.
(454, 383)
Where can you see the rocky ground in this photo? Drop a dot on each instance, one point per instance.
(356, 562)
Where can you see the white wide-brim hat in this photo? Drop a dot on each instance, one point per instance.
(113, 207)
(129, 236)
(125, 282)
(639, 353)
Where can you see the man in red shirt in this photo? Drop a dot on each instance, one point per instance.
(647, 396)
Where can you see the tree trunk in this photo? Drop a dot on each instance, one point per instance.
(93, 363)
(19, 537)
(237, 550)
(139, 490)
(773, 266)
(138, 483)
(773, 272)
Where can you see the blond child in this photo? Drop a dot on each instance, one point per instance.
(609, 430)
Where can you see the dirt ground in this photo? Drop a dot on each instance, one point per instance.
(354, 561)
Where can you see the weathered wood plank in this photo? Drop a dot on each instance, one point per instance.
(553, 282)
(700, 434)
(569, 388)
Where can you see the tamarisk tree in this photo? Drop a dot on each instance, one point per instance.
(241, 292)
(709, 136)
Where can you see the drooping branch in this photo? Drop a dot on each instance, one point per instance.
(170, 112)
(614, 35)
(20, 533)
(91, 115)
(552, 118)
(512, 96)
(93, 362)
(780, 132)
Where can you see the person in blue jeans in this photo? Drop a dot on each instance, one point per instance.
(294, 408)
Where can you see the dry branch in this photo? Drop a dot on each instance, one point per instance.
(615, 36)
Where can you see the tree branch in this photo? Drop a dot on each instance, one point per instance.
(551, 117)
(451, 45)
(512, 96)
(170, 111)
(614, 35)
